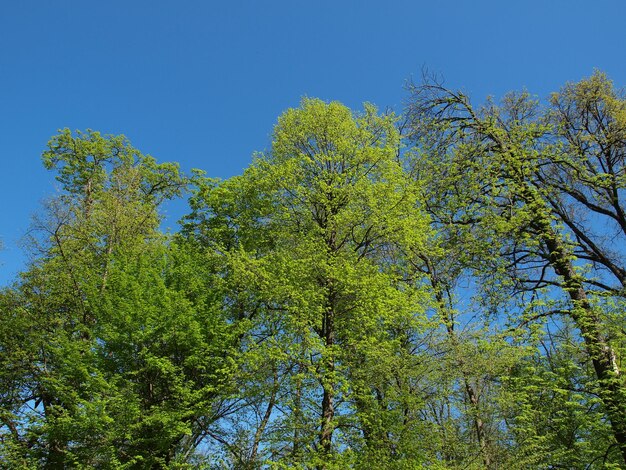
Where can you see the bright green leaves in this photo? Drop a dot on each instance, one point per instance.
(314, 237)
(88, 163)
(111, 194)
(344, 303)
(333, 170)
(529, 192)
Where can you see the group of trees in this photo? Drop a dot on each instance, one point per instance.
(440, 289)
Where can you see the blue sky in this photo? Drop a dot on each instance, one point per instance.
(202, 82)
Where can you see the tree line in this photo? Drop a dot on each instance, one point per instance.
(443, 289)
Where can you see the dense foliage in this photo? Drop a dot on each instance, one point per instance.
(443, 289)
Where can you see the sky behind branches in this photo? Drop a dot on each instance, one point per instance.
(203, 82)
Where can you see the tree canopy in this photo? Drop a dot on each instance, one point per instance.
(442, 288)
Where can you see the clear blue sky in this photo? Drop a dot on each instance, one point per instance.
(202, 82)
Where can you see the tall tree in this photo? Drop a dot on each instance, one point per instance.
(120, 359)
(334, 216)
(536, 182)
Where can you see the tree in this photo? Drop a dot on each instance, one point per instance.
(333, 217)
(346, 302)
(536, 183)
(120, 358)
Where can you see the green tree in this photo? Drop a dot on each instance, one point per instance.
(316, 230)
(119, 357)
(536, 183)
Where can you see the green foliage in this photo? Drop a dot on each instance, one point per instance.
(451, 298)
(530, 186)
(317, 230)
(116, 363)
(555, 413)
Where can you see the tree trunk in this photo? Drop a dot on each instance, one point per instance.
(328, 405)
(266, 417)
(297, 418)
(479, 426)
